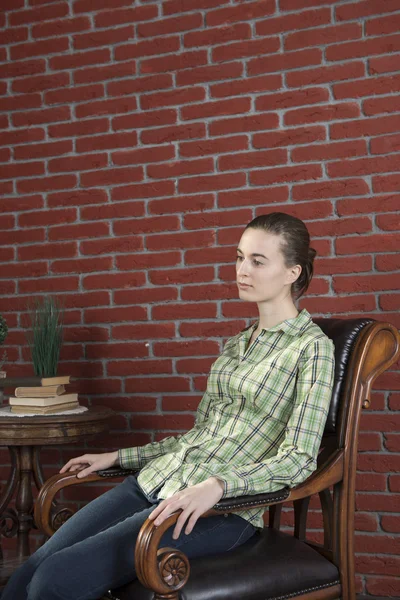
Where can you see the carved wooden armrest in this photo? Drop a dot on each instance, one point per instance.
(43, 517)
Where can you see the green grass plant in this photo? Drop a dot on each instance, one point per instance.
(45, 336)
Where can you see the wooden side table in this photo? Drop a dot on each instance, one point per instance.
(24, 437)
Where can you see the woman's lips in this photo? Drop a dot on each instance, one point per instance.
(243, 286)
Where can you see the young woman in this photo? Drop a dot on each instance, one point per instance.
(258, 428)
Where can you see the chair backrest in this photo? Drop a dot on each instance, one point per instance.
(343, 333)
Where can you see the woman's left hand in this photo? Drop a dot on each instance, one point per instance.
(194, 501)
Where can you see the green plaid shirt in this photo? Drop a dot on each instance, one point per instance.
(259, 424)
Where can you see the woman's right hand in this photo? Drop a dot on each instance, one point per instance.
(88, 463)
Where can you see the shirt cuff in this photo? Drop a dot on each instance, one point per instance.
(129, 458)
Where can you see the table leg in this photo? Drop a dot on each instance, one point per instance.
(24, 500)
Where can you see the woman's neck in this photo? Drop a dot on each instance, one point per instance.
(270, 316)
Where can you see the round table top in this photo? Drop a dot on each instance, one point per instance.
(44, 430)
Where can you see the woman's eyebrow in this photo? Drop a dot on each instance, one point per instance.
(254, 254)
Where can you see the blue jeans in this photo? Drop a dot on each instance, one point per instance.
(94, 550)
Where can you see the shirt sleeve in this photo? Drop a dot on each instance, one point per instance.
(296, 457)
(138, 456)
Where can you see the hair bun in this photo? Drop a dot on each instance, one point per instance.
(311, 254)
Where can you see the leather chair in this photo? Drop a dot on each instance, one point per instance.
(274, 565)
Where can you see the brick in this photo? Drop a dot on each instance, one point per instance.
(180, 276)
(369, 442)
(106, 37)
(145, 296)
(388, 586)
(52, 284)
(113, 281)
(45, 217)
(394, 483)
(177, 132)
(178, 168)
(115, 315)
(357, 264)
(388, 262)
(21, 203)
(145, 225)
(212, 329)
(139, 155)
(385, 565)
(293, 98)
(80, 59)
(46, 184)
(355, 10)
(305, 20)
(77, 198)
(143, 331)
(249, 160)
(181, 204)
(250, 10)
(386, 183)
(373, 243)
(186, 348)
(21, 68)
(148, 260)
(388, 222)
(174, 62)
(41, 83)
(327, 74)
(143, 190)
(211, 182)
(217, 219)
(79, 231)
(231, 70)
(255, 47)
(156, 46)
(76, 129)
(364, 283)
(217, 35)
(112, 211)
(213, 146)
(14, 35)
(248, 85)
(210, 292)
(78, 163)
(365, 127)
(284, 62)
(28, 269)
(210, 256)
(244, 124)
(138, 367)
(285, 174)
(389, 302)
(6, 187)
(360, 88)
(180, 403)
(170, 25)
(37, 117)
(107, 141)
(74, 94)
(164, 422)
(60, 27)
(345, 304)
(180, 241)
(173, 97)
(384, 64)
(114, 71)
(392, 442)
(307, 211)
(322, 35)
(376, 106)
(111, 176)
(239, 309)
(5, 155)
(386, 144)
(106, 107)
(329, 151)
(20, 102)
(374, 482)
(83, 265)
(363, 166)
(38, 14)
(7, 222)
(217, 108)
(109, 18)
(142, 120)
(17, 169)
(178, 6)
(361, 48)
(194, 365)
(127, 87)
(87, 5)
(39, 48)
(383, 25)
(290, 137)
(251, 197)
(116, 350)
(6, 254)
(341, 110)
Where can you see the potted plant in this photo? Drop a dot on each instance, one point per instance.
(45, 336)
(3, 335)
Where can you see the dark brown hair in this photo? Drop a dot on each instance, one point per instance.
(295, 247)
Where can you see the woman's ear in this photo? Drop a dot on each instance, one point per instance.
(294, 273)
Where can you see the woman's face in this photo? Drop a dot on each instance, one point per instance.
(261, 273)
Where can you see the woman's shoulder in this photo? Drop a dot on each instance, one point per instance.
(314, 340)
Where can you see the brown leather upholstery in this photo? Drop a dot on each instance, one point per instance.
(252, 572)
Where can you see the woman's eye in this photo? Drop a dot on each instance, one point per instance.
(257, 263)
(239, 258)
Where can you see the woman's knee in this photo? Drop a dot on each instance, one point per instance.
(50, 579)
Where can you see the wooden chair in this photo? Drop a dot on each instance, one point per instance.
(274, 565)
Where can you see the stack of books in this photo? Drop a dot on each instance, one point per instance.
(48, 397)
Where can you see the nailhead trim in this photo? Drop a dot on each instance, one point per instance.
(249, 503)
(311, 589)
(115, 473)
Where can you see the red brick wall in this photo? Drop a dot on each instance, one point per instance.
(138, 139)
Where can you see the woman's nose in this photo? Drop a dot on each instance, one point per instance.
(242, 268)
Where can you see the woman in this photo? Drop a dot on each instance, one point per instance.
(258, 428)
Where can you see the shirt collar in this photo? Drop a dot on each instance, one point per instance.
(292, 327)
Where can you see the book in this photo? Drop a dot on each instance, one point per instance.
(35, 380)
(43, 402)
(44, 410)
(39, 391)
